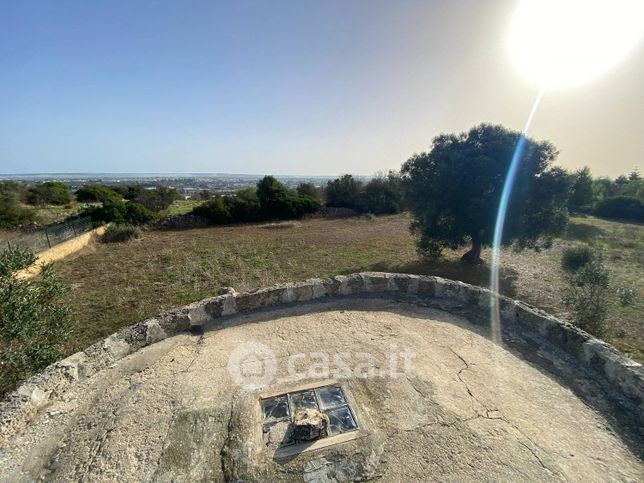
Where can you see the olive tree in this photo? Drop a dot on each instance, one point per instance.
(453, 191)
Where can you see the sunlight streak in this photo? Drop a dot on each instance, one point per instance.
(495, 314)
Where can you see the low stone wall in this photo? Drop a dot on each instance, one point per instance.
(622, 373)
(60, 251)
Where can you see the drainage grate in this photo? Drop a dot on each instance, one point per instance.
(279, 412)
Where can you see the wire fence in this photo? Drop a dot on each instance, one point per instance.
(52, 235)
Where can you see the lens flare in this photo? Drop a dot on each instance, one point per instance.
(559, 43)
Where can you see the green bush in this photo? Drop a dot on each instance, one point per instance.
(94, 193)
(621, 207)
(49, 193)
(213, 210)
(157, 199)
(138, 214)
(588, 295)
(344, 192)
(574, 258)
(279, 202)
(34, 322)
(382, 195)
(120, 233)
(244, 206)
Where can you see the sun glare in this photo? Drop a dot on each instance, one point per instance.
(563, 42)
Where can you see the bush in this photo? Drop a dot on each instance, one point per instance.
(382, 195)
(94, 193)
(310, 190)
(588, 295)
(12, 214)
(214, 210)
(278, 202)
(574, 258)
(34, 322)
(49, 193)
(244, 206)
(344, 192)
(157, 199)
(137, 214)
(120, 233)
(621, 207)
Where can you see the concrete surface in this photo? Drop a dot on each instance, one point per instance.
(467, 410)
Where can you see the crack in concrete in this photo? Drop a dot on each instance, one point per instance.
(501, 417)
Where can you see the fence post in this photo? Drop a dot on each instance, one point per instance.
(47, 235)
(9, 244)
(74, 228)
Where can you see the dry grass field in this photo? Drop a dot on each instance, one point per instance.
(114, 285)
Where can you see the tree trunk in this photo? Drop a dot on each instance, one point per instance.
(473, 256)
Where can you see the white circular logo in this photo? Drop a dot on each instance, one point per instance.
(252, 365)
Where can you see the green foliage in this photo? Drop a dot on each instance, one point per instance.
(278, 202)
(581, 193)
(49, 193)
(95, 193)
(625, 207)
(574, 258)
(116, 233)
(626, 295)
(128, 191)
(244, 206)
(138, 214)
(588, 295)
(117, 211)
(12, 194)
(382, 195)
(454, 191)
(34, 323)
(214, 210)
(157, 199)
(344, 192)
(310, 190)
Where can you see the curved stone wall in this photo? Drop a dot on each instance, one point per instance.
(603, 360)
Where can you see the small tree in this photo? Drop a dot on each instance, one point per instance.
(454, 191)
(310, 190)
(34, 322)
(588, 295)
(581, 192)
(344, 192)
(382, 195)
(49, 193)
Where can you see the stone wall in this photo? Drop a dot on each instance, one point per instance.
(625, 375)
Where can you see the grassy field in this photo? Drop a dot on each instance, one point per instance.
(116, 285)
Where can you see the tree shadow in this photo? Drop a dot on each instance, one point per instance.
(455, 270)
(583, 231)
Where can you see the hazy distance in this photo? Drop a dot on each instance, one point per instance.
(289, 87)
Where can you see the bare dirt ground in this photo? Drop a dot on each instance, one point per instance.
(466, 409)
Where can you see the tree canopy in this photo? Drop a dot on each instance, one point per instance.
(454, 191)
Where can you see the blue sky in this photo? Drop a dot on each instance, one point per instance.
(284, 87)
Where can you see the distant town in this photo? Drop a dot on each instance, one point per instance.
(187, 185)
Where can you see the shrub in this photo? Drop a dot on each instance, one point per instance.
(310, 190)
(138, 214)
(621, 207)
(382, 195)
(244, 206)
(278, 202)
(214, 210)
(111, 211)
(344, 192)
(157, 199)
(49, 193)
(574, 258)
(34, 322)
(120, 233)
(588, 295)
(94, 193)
(626, 295)
(12, 214)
